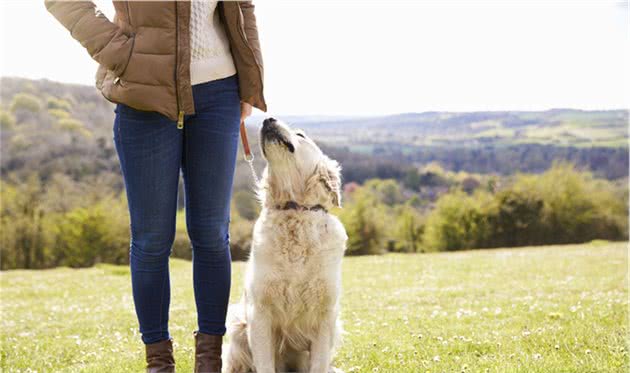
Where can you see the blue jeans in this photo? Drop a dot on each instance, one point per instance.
(151, 150)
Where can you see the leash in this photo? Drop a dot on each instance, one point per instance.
(247, 152)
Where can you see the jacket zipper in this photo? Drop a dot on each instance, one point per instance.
(128, 13)
(132, 34)
(180, 116)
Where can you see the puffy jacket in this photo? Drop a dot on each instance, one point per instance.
(144, 52)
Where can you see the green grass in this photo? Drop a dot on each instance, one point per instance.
(547, 309)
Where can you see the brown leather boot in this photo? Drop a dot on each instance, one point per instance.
(159, 357)
(207, 352)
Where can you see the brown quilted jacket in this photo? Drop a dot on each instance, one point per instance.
(144, 52)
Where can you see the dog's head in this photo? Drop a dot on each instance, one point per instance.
(297, 170)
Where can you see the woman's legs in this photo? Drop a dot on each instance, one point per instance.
(209, 159)
(149, 148)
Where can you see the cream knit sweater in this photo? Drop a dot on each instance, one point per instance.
(210, 56)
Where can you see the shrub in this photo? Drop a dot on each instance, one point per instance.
(94, 234)
(59, 104)
(563, 205)
(181, 244)
(240, 237)
(409, 229)
(73, 126)
(576, 207)
(433, 175)
(58, 114)
(25, 101)
(363, 218)
(246, 204)
(386, 191)
(518, 219)
(7, 120)
(23, 237)
(460, 221)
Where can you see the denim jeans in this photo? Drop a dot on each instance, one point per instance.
(151, 150)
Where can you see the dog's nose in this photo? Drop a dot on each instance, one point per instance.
(269, 121)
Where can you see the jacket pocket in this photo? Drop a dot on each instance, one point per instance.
(121, 75)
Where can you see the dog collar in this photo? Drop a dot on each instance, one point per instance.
(292, 205)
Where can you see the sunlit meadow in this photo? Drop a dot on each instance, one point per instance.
(543, 309)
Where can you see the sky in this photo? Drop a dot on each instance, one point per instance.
(382, 57)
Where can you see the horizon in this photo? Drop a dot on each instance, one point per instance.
(258, 113)
(464, 57)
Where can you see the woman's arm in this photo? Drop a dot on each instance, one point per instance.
(105, 41)
(251, 31)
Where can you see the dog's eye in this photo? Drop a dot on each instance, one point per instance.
(302, 136)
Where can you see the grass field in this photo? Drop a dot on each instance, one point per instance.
(541, 309)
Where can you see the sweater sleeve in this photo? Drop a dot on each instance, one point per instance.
(105, 41)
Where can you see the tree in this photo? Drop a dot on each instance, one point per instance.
(23, 236)
(519, 219)
(409, 230)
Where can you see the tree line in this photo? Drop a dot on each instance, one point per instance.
(562, 205)
(61, 223)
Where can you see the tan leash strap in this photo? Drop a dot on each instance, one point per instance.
(248, 152)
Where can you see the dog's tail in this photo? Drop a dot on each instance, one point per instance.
(237, 356)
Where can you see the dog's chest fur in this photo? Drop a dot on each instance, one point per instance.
(294, 269)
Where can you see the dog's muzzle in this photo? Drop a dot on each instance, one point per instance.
(270, 133)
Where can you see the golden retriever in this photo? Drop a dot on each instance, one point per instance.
(288, 317)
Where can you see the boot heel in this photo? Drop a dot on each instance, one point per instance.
(207, 352)
(159, 357)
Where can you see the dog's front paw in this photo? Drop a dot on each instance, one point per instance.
(335, 370)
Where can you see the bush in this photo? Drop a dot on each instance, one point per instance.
(246, 204)
(25, 101)
(460, 221)
(73, 126)
(409, 230)
(89, 235)
(58, 114)
(23, 237)
(7, 120)
(386, 191)
(240, 237)
(363, 218)
(59, 104)
(576, 207)
(181, 245)
(518, 219)
(563, 205)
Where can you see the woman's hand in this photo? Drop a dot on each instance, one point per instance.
(246, 110)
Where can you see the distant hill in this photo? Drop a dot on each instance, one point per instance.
(558, 127)
(501, 142)
(56, 127)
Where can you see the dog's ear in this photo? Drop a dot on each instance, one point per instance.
(329, 172)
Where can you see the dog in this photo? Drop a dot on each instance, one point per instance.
(288, 317)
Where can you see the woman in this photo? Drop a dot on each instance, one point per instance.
(183, 76)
